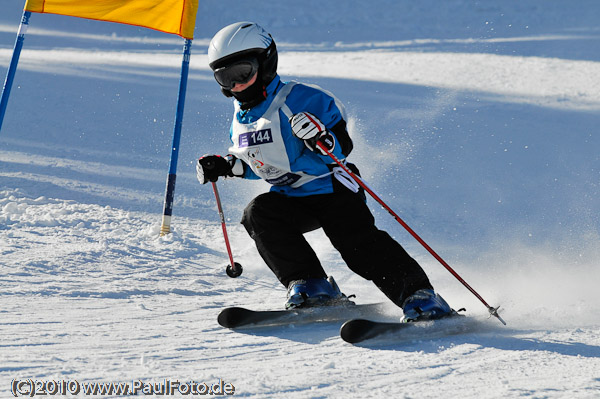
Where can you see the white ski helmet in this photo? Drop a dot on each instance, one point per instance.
(243, 40)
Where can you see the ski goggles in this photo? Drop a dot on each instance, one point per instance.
(239, 72)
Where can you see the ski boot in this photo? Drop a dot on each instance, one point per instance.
(425, 304)
(314, 292)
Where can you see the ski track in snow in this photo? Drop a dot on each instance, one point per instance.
(504, 96)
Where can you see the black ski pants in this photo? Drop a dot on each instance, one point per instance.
(277, 223)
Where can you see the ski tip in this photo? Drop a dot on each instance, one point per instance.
(231, 317)
(353, 331)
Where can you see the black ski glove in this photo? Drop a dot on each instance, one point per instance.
(309, 128)
(211, 167)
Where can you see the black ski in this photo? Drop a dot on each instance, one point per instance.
(359, 330)
(237, 317)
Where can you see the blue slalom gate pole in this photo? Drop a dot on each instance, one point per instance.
(170, 190)
(12, 69)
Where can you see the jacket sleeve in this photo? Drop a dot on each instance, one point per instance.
(247, 172)
(341, 134)
(328, 109)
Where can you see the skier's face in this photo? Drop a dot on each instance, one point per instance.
(238, 87)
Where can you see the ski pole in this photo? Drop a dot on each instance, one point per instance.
(234, 269)
(492, 310)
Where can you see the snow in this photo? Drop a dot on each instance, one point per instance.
(477, 122)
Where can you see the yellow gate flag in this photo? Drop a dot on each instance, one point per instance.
(170, 16)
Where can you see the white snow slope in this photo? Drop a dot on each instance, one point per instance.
(477, 121)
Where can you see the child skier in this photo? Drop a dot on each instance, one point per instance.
(274, 132)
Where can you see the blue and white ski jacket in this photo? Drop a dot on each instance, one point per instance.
(262, 138)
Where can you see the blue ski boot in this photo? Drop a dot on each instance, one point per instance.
(425, 304)
(314, 292)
